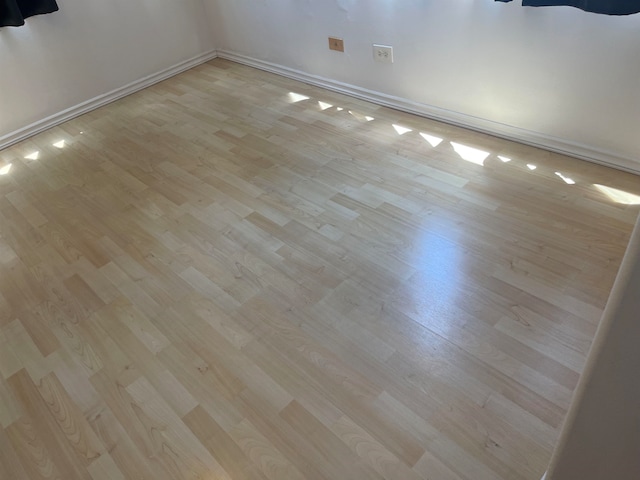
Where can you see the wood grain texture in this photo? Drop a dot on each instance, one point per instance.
(233, 275)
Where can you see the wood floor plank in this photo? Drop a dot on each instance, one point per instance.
(44, 447)
(36, 461)
(10, 464)
(263, 453)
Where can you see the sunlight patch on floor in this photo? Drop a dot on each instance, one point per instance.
(431, 139)
(619, 196)
(297, 97)
(400, 130)
(470, 154)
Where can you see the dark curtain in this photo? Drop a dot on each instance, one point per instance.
(609, 7)
(13, 12)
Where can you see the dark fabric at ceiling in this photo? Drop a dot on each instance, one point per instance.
(608, 7)
(13, 12)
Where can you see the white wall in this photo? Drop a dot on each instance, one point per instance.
(601, 437)
(554, 72)
(89, 48)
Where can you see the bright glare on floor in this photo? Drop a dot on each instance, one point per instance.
(567, 180)
(6, 169)
(619, 196)
(433, 141)
(296, 97)
(401, 130)
(361, 117)
(470, 154)
(33, 156)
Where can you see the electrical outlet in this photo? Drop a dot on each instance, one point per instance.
(336, 44)
(383, 53)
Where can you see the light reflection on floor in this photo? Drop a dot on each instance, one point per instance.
(297, 97)
(565, 179)
(434, 288)
(431, 139)
(466, 152)
(401, 130)
(619, 196)
(470, 154)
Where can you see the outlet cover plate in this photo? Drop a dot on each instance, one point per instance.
(336, 44)
(383, 53)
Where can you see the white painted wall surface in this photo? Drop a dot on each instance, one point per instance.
(89, 48)
(601, 436)
(558, 72)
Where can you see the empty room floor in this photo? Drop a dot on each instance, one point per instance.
(234, 275)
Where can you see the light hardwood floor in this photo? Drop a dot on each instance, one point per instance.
(220, 278)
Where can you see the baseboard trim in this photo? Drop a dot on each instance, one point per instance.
(527, 137)
(99, 101)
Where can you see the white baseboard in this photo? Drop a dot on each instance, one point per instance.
(99, 101)
(528, 137)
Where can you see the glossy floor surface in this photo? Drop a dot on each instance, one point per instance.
(232, 275)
